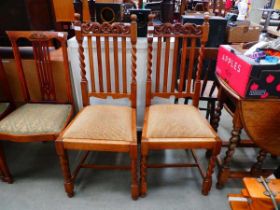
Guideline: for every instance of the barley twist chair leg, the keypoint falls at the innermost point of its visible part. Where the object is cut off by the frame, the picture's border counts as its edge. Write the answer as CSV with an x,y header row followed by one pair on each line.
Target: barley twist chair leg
x,y
64,164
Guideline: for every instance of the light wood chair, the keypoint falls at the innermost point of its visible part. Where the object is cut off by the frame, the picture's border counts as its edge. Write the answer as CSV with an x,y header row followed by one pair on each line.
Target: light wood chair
x,y
104,127
6,105
175,126
43,119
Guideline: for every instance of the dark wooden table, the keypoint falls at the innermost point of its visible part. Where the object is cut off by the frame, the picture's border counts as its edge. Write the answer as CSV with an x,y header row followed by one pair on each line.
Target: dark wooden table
x,y
259,118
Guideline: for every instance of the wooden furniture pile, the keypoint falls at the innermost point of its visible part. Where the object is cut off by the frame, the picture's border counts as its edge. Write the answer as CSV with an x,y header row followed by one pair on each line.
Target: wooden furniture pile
x,y
45,119
112,128
258,194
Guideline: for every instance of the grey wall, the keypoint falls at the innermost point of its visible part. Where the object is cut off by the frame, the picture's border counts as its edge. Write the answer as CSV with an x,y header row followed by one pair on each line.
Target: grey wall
x,y
255,14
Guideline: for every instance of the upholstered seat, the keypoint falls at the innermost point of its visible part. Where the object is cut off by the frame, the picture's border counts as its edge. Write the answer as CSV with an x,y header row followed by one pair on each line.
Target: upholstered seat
x,y
36,119
177,121
103,122
3,107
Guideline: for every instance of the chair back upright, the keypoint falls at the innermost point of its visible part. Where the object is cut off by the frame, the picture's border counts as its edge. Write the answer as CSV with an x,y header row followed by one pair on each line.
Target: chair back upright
x,y
43,43
5,94
188,34
108,76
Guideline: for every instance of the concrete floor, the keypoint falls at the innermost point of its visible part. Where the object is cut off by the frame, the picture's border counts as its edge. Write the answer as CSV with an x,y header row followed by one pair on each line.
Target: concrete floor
x,y
39,183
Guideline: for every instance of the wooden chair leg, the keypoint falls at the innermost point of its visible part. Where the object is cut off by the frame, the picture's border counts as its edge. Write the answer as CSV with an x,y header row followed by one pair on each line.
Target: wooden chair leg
x,y
7,177
64,164
134,177
207,182
144,155
208,110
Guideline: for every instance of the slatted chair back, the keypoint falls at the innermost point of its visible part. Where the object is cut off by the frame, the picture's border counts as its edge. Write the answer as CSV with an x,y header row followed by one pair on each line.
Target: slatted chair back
x,y
41,43
5,94
188,34
111,81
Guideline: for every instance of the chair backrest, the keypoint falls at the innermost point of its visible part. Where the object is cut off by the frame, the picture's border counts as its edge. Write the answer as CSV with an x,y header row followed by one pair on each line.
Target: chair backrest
x,y
41,42
102,83
5,94
188,34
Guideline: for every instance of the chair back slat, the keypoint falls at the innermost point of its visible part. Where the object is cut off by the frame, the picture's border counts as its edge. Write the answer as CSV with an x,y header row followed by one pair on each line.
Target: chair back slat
x,y
116,64
44,70
110,40
191,64
124,76
91,65
183,64
174,65
41,42
189,35
166,63
159,47
99,60
108,69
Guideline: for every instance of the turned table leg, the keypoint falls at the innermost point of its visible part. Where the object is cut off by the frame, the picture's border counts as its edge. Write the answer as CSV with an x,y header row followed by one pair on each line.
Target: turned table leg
x,y
257,167
215,120
224,171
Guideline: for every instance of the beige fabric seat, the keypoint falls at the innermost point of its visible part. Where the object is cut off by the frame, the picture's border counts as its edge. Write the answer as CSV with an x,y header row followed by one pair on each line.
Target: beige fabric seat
x,y
177,121
103,122
3,107
36,119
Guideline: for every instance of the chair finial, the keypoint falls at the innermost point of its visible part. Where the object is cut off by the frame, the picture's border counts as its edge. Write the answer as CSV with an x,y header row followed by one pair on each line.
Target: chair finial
x,y
77,17
133,18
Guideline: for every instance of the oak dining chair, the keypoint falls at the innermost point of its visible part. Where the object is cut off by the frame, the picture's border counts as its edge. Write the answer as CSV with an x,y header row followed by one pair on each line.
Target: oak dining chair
x,y
176,126
42,118
110,128
6,106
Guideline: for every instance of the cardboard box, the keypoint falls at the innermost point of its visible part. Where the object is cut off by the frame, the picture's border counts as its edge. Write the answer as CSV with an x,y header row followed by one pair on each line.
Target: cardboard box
x,y
248,78
243,33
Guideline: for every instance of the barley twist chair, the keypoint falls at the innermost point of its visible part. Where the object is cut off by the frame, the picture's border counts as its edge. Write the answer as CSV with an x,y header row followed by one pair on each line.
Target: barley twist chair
x,y
176,126
6,105
110,128
43,117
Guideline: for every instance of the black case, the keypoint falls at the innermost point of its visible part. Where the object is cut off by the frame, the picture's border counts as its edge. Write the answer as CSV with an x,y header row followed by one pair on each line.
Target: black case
x,y
142,20
108,12
217,32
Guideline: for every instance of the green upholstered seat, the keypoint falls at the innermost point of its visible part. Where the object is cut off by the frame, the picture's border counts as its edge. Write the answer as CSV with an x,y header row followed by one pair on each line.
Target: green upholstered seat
x,y
3,107
36,119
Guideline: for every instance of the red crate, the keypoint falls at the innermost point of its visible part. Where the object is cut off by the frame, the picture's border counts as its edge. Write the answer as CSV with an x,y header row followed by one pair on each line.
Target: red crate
x,y
247,77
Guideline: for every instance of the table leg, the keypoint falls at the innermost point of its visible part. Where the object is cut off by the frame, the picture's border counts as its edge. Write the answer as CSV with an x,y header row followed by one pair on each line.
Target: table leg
x,y
257,167
218,111
224,171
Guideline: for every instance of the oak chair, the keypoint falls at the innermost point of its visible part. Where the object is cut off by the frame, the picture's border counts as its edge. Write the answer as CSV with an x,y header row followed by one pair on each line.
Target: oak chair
x,y
41,119
108,128
175,126
6,105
